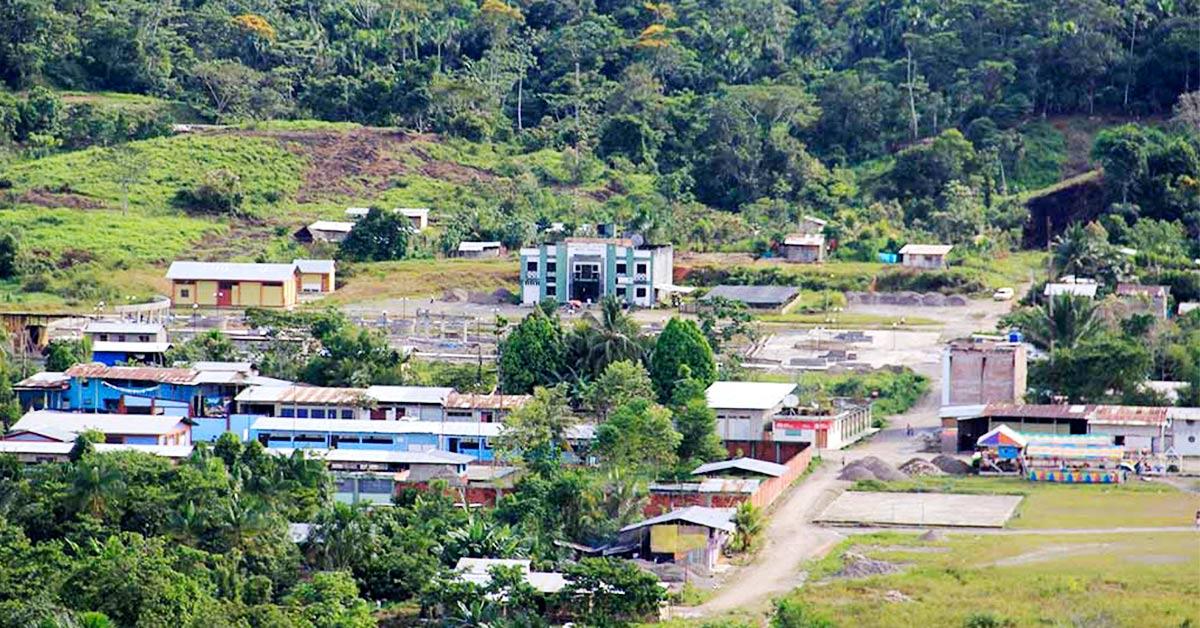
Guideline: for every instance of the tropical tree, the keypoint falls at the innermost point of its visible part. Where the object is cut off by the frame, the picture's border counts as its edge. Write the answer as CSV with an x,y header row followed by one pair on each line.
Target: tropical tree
x,y
681,343
620,383
96,486
614,337
1061,322
343,537
531,355
638,435
610,591
536,434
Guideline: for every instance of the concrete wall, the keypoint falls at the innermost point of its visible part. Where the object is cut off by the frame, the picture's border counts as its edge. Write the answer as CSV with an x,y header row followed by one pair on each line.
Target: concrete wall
x,y
979,375
767,492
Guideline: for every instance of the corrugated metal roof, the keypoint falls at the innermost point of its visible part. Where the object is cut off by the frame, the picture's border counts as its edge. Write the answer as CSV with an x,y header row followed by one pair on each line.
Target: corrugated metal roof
x,y
715,518
322,266
317,395
382,456
750,465
471,401
1074,289
1183,414
804,239
1128,415
747,395
926,249
62,449
230,271
435,395
76,422
241,367
108,346
1128,289
754,295
161,375
1036,411
466,246
332,226
46,380
359,426
122,327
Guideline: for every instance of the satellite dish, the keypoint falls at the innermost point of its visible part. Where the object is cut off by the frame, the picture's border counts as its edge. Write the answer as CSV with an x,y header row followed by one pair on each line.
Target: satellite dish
x,y
637,240
791,401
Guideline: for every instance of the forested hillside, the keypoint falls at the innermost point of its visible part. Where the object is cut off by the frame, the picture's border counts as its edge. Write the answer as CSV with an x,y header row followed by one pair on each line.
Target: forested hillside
x,y
712,124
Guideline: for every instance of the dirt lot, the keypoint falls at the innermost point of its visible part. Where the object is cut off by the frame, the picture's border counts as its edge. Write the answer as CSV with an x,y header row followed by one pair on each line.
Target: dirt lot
x,y
921,509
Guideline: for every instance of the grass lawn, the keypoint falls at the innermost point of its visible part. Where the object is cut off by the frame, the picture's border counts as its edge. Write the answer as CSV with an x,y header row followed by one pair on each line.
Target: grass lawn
x,y
423,278
1080,580
1135,504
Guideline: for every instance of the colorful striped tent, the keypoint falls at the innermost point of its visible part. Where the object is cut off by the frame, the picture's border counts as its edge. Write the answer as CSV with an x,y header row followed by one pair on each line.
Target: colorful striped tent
x,y
1002,436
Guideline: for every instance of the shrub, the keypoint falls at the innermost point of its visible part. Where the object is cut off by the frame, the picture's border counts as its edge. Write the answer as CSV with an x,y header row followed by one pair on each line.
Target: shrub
x,y
219,193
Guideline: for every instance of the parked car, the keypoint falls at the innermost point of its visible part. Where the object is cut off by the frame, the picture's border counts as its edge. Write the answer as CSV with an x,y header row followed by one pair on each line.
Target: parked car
x,y
1003,294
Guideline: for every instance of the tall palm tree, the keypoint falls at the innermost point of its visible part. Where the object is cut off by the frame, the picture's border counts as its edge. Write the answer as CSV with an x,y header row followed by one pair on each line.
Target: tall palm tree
x,y
615,337
1063,322
96,485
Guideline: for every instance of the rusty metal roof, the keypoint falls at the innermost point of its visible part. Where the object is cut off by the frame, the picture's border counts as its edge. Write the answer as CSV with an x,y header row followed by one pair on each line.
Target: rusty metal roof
x,y
317,395
1125,289
1129,415
471,401
46,380
95,370
1104,414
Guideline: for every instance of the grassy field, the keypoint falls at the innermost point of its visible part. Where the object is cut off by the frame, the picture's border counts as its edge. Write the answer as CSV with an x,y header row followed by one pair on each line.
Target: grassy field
x,y
1080,580
1134,504
424,278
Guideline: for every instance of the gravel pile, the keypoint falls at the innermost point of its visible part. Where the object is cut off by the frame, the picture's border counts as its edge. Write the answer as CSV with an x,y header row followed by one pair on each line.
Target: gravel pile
x,y
855,565
951,465
856,472
871,468
882,470
920,467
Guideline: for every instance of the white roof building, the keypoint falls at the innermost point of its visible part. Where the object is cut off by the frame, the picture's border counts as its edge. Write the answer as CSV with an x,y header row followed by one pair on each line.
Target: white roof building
x,y
1074,289
748,395
410,394
317,266
331,226
230,271
475,247
715,518
479,571
926,249
123,327
64,426
746,465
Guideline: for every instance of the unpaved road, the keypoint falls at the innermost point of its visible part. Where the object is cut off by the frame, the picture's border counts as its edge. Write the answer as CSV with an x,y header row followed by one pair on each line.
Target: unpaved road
x,y
791,539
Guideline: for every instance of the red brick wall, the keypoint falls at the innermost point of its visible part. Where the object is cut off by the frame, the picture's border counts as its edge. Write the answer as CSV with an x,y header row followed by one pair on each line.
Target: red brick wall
x,y
768,490
771,451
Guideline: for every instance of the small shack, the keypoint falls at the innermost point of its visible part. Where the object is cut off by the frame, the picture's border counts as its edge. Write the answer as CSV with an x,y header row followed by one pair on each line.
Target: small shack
x,y
925,256
695,535
1146,299
317,275
324,231
476,250
771,298
417,216
1000,450
1086,290
805,248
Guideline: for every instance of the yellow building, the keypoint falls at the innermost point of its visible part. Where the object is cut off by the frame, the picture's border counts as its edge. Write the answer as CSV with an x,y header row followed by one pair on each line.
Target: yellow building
x,y
316,275
221,284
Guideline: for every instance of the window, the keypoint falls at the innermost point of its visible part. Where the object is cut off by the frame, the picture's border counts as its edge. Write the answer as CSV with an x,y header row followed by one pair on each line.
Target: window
x,y
143,338
641,293
641,268
621,268
347,414
551,291
531,266
1119,440
103,337
551,267
301,413
318,413
287,412
185,293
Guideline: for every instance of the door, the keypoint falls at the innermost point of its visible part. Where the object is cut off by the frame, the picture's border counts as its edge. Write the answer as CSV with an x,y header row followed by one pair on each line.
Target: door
x,y
225,294
585,282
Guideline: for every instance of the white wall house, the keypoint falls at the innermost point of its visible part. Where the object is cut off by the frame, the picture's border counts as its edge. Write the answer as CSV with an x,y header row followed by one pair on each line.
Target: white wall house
x,y
588,269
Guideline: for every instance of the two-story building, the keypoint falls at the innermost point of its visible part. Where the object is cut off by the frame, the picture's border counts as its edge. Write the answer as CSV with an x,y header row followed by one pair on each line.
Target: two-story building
x,y
588,269
63,427
116,342
305,402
